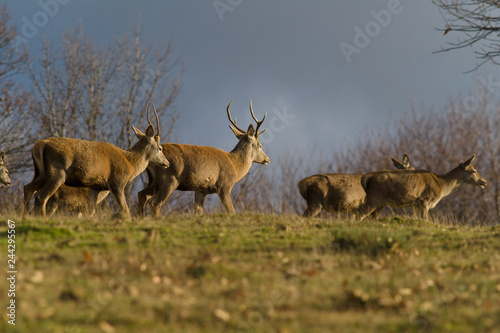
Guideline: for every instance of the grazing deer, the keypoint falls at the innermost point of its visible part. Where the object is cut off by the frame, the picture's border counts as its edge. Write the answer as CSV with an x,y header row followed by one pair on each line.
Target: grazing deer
x,y
204,170
99,166
419,189
71,199
4,173
337,192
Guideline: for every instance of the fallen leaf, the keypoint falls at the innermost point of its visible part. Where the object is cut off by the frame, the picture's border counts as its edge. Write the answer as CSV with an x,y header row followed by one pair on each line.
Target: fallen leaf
x,y
106,327
405,291
37,277
88,257
222,315
311,272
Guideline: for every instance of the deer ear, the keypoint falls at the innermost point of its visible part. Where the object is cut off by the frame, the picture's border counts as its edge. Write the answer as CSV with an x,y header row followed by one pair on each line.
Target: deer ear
x,y
237,133
2,155
150,131
406,161
251,130
468,162
138,133
396,163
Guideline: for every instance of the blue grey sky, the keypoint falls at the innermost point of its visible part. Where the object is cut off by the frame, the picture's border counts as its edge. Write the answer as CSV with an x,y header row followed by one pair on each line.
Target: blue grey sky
x,y
288,56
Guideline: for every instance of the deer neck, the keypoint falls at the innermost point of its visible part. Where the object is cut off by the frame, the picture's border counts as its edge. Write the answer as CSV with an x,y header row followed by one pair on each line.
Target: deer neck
x,y
137,161
241,157
450,182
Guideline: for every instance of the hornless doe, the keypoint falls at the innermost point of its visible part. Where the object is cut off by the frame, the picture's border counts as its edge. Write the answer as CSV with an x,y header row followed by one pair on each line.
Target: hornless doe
x,y
204,170
4,173
337,192
99,166
419,189
71,199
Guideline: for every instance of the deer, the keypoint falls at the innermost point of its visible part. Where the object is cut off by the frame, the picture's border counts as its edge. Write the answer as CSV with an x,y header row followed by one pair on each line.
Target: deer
x,y
419,189
337,192
71,199
4,173
204,170
98,166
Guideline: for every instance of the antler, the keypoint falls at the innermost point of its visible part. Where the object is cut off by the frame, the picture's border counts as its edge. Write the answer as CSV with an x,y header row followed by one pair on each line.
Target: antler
x,y
233,122
149,121
157,120
259,123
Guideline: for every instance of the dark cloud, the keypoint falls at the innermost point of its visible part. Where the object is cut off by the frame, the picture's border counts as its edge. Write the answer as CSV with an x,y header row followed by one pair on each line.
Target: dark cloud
x,y
285,55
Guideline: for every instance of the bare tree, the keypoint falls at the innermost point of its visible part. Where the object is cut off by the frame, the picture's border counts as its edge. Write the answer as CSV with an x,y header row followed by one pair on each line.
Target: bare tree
x,y
478,21
145,72
17,133
435,137
79,85
73,84
97,93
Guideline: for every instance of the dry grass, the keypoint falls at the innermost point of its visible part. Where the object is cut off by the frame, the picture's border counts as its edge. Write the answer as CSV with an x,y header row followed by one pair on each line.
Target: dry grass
x,y
253,273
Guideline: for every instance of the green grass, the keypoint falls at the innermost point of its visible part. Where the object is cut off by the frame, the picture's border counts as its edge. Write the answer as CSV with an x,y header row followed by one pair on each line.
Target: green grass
x,y
252,273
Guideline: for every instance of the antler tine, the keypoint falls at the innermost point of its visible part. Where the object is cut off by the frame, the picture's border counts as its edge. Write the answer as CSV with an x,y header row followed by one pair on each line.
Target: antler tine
x,y
149,121
259,123
157,120
231,120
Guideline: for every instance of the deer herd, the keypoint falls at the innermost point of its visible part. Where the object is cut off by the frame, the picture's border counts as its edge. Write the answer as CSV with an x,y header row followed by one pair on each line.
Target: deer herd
x,y
73,174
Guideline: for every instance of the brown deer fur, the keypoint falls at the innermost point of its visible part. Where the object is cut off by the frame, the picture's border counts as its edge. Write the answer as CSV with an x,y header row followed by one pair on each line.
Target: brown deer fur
x,y
4,173
99,166
204,170
419,189
71,199
337,192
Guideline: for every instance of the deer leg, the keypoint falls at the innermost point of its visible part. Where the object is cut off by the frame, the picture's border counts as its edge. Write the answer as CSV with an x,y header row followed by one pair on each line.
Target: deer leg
x,y
143,197
92,202
225,198
199,199
375,213
29,190
119,195
51,206
313,210
50,187
367,209
425,213
161,196
37,206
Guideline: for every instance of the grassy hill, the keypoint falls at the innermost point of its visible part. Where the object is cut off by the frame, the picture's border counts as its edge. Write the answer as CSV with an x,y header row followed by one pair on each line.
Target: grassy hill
x,y
252,273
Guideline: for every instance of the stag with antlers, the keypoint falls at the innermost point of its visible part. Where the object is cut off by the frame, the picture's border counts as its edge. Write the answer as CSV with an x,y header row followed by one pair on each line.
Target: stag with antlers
x,y
204,170
99,166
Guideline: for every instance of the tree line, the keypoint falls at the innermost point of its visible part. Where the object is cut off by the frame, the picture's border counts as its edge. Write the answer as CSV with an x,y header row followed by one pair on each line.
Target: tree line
x,y
435,138
82,90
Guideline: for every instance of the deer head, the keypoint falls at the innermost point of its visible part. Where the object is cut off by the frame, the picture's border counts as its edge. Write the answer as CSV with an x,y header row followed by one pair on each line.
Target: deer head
x,y
469,174
250,137
4,173
154,150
